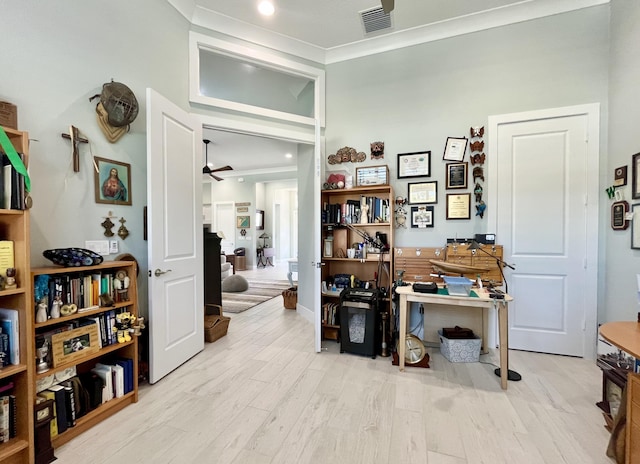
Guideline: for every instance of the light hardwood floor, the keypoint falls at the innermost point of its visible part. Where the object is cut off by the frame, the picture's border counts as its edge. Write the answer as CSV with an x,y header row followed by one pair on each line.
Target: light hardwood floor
x,y
262,395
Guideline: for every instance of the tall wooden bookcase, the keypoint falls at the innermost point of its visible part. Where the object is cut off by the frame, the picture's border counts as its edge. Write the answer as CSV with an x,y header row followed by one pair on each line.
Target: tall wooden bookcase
x,y
14,226
84,363
341,229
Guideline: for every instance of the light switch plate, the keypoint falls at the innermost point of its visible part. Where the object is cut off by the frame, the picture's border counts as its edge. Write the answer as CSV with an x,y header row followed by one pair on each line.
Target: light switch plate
x,y
113,246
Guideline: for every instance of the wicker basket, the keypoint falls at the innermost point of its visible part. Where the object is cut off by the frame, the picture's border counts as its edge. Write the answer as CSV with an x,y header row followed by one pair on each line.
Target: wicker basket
x,y
290,297
215,325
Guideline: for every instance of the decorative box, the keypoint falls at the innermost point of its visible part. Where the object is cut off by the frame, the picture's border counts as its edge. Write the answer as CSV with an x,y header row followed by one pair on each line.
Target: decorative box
x,y
460,350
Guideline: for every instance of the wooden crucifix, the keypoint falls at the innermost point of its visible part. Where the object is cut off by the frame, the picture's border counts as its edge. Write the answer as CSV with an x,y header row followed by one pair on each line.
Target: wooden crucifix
x,y
75,138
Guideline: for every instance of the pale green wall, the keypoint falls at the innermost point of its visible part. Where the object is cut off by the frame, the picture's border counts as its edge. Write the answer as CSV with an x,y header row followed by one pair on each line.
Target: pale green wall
x,y
622,263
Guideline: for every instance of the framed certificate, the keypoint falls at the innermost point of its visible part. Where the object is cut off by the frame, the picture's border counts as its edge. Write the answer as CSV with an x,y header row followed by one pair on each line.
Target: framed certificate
x,y
619,211
635,176
635,226
455,148
416,164
423,192
458,206
456,175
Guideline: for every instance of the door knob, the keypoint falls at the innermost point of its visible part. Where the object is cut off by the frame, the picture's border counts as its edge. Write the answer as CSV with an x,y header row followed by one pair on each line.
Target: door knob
x,y
158,272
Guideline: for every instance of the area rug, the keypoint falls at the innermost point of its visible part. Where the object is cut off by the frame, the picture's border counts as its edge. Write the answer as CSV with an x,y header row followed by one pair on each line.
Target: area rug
x,y
259,291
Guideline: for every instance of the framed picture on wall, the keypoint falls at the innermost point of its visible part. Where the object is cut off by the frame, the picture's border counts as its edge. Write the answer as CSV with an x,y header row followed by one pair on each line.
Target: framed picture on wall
x,y
456,175
455,148
421,216
112,182
458,206
635,176
423,192
243,222
259,219
416,164
635,226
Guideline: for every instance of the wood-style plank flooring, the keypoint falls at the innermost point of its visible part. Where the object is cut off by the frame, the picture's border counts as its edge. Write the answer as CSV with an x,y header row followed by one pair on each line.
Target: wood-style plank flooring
x,y
261,395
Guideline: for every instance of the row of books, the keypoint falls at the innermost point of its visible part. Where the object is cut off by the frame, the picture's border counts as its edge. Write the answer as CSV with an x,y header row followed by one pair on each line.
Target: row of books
x,y
9,337
8,412
81,289
75,397
351,211
12,190
331,313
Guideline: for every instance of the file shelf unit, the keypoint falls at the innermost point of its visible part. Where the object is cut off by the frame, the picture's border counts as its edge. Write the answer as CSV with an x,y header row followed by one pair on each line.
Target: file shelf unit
x,y
341,230
86,362
14,226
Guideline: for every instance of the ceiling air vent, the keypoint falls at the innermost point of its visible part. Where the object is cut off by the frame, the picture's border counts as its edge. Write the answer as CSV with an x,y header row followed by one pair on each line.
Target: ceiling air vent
x,y
375,20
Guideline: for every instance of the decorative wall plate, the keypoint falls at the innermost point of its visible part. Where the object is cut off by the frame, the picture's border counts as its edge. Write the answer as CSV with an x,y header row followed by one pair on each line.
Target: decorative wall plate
x,y
73,257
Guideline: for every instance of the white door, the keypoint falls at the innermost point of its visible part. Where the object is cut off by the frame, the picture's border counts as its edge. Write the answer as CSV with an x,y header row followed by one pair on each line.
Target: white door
x,y
546,210
174,196
224,220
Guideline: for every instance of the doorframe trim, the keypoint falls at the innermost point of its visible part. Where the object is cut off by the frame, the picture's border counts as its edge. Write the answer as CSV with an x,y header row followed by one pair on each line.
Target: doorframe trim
x,y
592,113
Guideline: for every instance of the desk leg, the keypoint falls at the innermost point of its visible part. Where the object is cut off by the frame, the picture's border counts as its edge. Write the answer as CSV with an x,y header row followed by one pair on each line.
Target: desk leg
x,y
503,329
403,330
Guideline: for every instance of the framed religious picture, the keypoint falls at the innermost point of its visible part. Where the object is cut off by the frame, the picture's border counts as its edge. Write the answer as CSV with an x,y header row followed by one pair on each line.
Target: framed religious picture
x,y
458,206
635,176
456,175
416,164
243,222
455,148
619,210
421,216
112,182
423,192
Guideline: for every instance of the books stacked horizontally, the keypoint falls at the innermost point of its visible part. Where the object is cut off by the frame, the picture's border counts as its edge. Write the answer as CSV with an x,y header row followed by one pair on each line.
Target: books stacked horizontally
x,y
75,397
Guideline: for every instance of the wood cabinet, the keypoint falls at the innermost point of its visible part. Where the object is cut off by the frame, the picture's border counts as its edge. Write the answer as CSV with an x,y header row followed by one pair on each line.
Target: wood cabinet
x,y
415,263
14,226
486,257
342,229
123,300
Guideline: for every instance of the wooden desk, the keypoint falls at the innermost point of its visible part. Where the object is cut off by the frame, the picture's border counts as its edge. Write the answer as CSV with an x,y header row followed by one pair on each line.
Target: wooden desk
x,y
624,334
407,295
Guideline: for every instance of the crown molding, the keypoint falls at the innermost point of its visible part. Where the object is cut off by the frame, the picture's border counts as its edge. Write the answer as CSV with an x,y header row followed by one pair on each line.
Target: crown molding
x,y
525,10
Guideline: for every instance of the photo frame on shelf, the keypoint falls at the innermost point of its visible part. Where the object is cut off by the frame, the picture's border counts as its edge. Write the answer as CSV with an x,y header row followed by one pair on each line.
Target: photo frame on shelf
x,y
635,226
75,344
619,210
112,182
422,192
458,206
421,216
243,222
455,148
457,175
635,176
417,164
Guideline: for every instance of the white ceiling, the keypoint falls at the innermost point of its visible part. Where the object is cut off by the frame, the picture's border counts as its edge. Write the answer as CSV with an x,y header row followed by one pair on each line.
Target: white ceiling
x,y
332,23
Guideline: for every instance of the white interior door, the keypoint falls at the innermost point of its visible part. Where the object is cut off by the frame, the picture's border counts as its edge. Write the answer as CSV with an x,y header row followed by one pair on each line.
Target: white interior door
x,y
224,220
174,196
546,218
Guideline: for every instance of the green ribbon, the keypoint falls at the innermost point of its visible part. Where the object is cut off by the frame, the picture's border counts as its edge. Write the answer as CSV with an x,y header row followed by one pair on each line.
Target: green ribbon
x,y
14,158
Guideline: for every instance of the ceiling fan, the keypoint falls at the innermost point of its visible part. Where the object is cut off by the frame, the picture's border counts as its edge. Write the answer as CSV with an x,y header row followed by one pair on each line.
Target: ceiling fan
x,y
206,169
387,5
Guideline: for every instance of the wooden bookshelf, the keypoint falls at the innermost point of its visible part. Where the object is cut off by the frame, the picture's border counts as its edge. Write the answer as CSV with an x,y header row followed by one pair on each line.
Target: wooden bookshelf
x,y
14,226
86,363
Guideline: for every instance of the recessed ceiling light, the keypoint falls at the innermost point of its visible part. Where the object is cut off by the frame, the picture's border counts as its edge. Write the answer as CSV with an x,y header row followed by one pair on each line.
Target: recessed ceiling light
x,y
266,8
288,155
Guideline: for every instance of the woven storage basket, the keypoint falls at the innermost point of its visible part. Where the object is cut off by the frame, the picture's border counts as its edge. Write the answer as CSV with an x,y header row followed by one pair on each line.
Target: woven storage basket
x,y
215,325
290,297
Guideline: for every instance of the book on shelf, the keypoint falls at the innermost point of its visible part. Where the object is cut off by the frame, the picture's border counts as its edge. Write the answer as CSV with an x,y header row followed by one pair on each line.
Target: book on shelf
x,y
13,416
13,188
9,321
53,425
61,407
104,372
127,365
70,402
4,348
7,258
4,419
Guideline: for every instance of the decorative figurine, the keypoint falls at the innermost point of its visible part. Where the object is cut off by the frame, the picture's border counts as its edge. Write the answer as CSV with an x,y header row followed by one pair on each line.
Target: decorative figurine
x,y
42,352
10,283
478,173
122,231
41,313
478,158
477,146
477,131
377,150
138,326
478,192
401,213
480,209
55,308
364,213
123,326
121,284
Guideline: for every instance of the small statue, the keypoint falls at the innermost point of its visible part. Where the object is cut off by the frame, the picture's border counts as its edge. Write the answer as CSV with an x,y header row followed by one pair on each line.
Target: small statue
x,y
55,308
138,326
41,313
123,326
480,209
364,213
121,284
10,283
